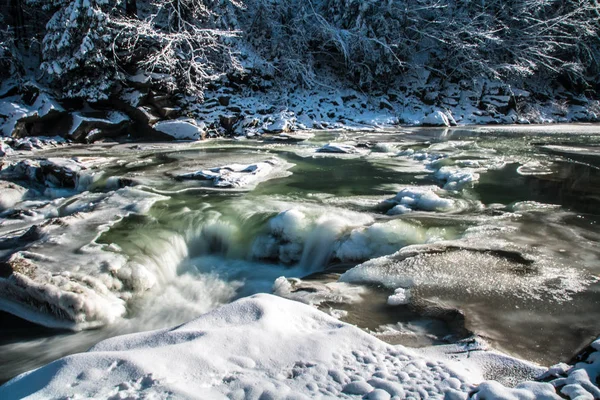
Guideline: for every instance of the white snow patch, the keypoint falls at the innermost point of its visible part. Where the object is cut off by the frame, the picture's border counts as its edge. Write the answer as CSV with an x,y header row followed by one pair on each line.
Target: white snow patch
x,y
422,198
401,296
436,118
181,129
262,346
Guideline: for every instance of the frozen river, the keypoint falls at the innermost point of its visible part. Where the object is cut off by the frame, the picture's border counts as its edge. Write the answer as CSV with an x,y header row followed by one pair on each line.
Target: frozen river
x,y
420,236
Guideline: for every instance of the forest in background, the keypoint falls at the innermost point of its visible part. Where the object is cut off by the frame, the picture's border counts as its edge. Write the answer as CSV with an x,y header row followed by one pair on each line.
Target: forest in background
x,y
87,48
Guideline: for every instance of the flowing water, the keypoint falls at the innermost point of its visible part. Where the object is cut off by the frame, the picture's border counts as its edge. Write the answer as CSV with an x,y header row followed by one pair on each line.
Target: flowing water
x,y
497,230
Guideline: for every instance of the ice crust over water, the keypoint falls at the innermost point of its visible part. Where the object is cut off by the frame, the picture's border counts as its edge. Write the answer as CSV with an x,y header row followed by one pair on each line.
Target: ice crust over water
x,y
490,268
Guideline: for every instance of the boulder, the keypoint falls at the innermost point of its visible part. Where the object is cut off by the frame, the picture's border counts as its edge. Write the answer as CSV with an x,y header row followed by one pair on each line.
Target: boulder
x,y
283,123
436,118
103,123
181,129
5,150
27,117
228,122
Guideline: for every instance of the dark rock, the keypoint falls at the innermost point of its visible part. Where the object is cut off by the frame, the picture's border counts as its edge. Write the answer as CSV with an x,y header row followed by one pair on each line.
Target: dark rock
x,y
224,100
145,114
104,124
228,122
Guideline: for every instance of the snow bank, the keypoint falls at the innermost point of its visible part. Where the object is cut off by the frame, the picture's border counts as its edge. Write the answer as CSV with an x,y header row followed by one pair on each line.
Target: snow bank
x,y
268,347
258,347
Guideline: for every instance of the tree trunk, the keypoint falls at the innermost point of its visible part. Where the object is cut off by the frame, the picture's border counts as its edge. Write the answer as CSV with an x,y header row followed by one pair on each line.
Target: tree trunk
x,y
131,8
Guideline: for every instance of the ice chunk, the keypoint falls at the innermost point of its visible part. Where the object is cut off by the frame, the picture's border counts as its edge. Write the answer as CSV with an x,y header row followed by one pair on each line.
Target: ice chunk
x,y
456,178
10,194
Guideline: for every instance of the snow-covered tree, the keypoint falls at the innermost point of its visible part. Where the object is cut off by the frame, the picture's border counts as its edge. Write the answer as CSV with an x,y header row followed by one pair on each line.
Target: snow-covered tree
x,y
90,45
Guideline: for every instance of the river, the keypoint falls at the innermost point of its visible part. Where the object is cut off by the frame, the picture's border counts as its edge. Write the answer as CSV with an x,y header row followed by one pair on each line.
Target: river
x,y
497,229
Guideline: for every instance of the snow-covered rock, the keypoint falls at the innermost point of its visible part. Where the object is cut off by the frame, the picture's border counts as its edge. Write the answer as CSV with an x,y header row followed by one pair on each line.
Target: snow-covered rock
x,y
93,125
5,150
181,129
239,175
71,173
343,148
279,125
10,194
436,118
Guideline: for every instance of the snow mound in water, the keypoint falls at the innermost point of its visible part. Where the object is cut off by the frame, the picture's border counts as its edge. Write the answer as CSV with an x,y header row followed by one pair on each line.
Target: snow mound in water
x,y
258,347
456,178
419,198
240,176
340,148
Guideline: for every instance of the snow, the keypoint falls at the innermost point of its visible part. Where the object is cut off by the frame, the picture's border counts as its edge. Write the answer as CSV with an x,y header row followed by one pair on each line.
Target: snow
x,y
422,198
345,148
181,129
239,175
436,118
400,297
257,347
